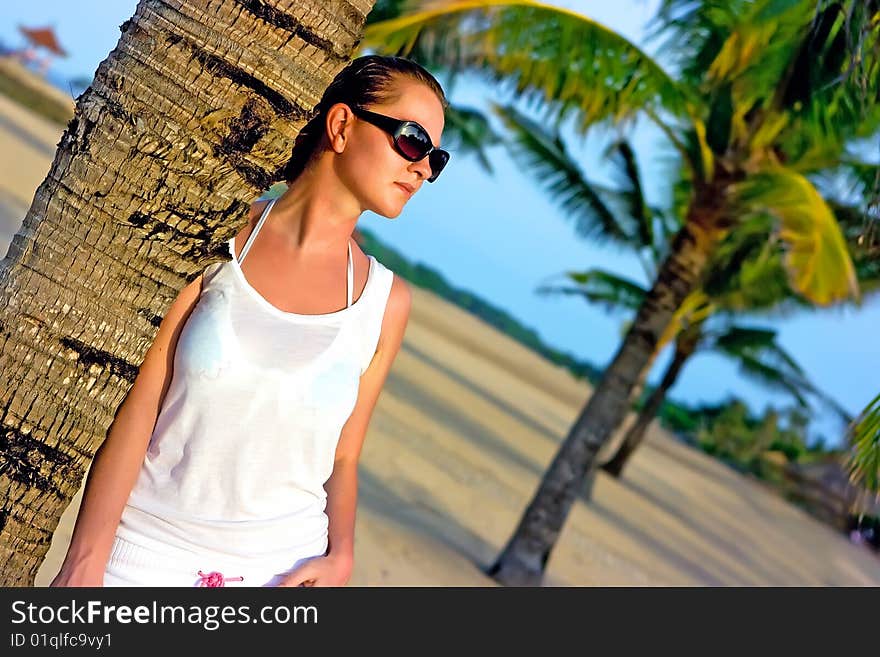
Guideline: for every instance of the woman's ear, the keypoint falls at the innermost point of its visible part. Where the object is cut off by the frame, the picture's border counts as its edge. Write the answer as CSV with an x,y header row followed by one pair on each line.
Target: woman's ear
x,y
338,126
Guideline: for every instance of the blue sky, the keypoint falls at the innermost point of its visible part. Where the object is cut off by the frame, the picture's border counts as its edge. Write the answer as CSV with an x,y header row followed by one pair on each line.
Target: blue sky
x,y
500,237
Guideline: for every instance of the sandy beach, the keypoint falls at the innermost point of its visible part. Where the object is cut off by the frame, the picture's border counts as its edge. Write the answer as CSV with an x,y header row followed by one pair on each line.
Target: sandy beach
x,y
465,427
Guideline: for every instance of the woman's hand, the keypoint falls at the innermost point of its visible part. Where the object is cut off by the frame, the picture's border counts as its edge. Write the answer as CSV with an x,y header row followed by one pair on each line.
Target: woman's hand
x,y
329,570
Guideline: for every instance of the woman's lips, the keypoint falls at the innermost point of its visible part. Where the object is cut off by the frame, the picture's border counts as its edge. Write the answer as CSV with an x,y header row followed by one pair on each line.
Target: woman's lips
x,y
406,189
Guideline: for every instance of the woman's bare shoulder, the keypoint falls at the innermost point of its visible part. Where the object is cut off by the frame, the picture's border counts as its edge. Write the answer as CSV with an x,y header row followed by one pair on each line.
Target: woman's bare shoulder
x,y
398,306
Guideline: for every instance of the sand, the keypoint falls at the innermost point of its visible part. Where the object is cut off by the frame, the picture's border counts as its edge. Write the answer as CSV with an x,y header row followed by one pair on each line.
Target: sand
x,y
465,427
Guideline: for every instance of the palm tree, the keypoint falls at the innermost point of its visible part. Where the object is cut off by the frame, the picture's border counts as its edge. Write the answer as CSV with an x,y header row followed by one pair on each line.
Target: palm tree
x,y
188,116
757,286
756,352
746,274
764,95
753,349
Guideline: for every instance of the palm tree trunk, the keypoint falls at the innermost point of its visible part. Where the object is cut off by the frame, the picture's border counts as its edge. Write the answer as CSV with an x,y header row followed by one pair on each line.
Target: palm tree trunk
x,y
685,346
191,115
525,556
636,394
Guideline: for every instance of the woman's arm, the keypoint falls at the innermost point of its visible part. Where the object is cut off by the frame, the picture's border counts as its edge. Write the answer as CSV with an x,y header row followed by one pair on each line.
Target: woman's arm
x,y
118,460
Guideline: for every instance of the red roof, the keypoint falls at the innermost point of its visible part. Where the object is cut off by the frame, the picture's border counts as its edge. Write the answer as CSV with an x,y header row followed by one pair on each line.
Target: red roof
x,y
45,37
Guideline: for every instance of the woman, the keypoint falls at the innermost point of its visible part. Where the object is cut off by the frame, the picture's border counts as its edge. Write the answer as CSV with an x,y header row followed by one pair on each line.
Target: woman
x,y
233,459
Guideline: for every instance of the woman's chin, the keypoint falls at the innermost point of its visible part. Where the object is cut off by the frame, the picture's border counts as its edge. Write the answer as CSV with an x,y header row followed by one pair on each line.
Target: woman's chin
x,y
392,209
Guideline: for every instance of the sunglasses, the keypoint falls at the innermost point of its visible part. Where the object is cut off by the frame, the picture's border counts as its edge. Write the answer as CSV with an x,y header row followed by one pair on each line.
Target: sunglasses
x,y
411,140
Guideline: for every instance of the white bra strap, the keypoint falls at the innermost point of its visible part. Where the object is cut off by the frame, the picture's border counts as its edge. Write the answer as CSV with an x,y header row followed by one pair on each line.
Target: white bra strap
x,y
350,275
250,239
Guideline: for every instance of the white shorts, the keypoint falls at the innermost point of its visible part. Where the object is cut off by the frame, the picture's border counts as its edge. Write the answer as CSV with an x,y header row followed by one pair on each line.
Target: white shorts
x,y
134,565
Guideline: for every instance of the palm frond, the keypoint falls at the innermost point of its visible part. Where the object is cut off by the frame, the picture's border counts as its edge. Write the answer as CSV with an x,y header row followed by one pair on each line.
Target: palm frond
x,y
468,131
763,360
817,260
833,89
864,459
543,153
741,339
612,292
759,45
384,10
696,309
747,272
559,60
629,185
691,33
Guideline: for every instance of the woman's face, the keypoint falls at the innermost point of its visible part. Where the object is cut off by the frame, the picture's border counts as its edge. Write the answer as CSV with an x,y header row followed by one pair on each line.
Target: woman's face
x,y
369,166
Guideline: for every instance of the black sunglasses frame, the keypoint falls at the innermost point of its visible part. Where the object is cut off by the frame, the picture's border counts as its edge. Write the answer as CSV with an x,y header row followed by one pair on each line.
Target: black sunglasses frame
x,y
437,157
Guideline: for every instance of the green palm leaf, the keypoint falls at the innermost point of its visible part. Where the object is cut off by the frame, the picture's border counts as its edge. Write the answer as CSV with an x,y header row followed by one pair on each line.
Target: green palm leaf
x,y
864,459
832,85
468,131
763,360
562,61
746,273
629,185
758,47
693,33
613,292
543,153
817,260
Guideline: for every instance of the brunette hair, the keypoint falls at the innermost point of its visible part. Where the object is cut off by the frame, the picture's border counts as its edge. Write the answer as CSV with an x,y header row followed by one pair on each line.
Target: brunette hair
x,y
364,81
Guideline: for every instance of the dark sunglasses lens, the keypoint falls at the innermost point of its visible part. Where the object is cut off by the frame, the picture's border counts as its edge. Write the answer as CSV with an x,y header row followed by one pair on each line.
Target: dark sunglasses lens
x,y
437,160
413,142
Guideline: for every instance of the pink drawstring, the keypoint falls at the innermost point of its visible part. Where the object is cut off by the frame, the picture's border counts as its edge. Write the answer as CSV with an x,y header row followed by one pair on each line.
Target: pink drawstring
x,y
215,579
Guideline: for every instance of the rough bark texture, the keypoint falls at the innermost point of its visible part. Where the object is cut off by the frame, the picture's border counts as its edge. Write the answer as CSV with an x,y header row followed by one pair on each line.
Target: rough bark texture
x,y
524,558
191,116
685,346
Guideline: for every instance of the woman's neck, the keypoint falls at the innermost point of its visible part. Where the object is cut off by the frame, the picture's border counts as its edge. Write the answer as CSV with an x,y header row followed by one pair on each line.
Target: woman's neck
x,y
317,213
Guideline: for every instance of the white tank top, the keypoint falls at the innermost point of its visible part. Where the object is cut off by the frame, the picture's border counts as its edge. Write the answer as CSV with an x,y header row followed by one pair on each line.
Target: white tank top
x,y
246,435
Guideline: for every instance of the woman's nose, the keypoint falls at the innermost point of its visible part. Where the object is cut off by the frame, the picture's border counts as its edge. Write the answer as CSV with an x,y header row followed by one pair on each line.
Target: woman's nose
x,y
422,167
